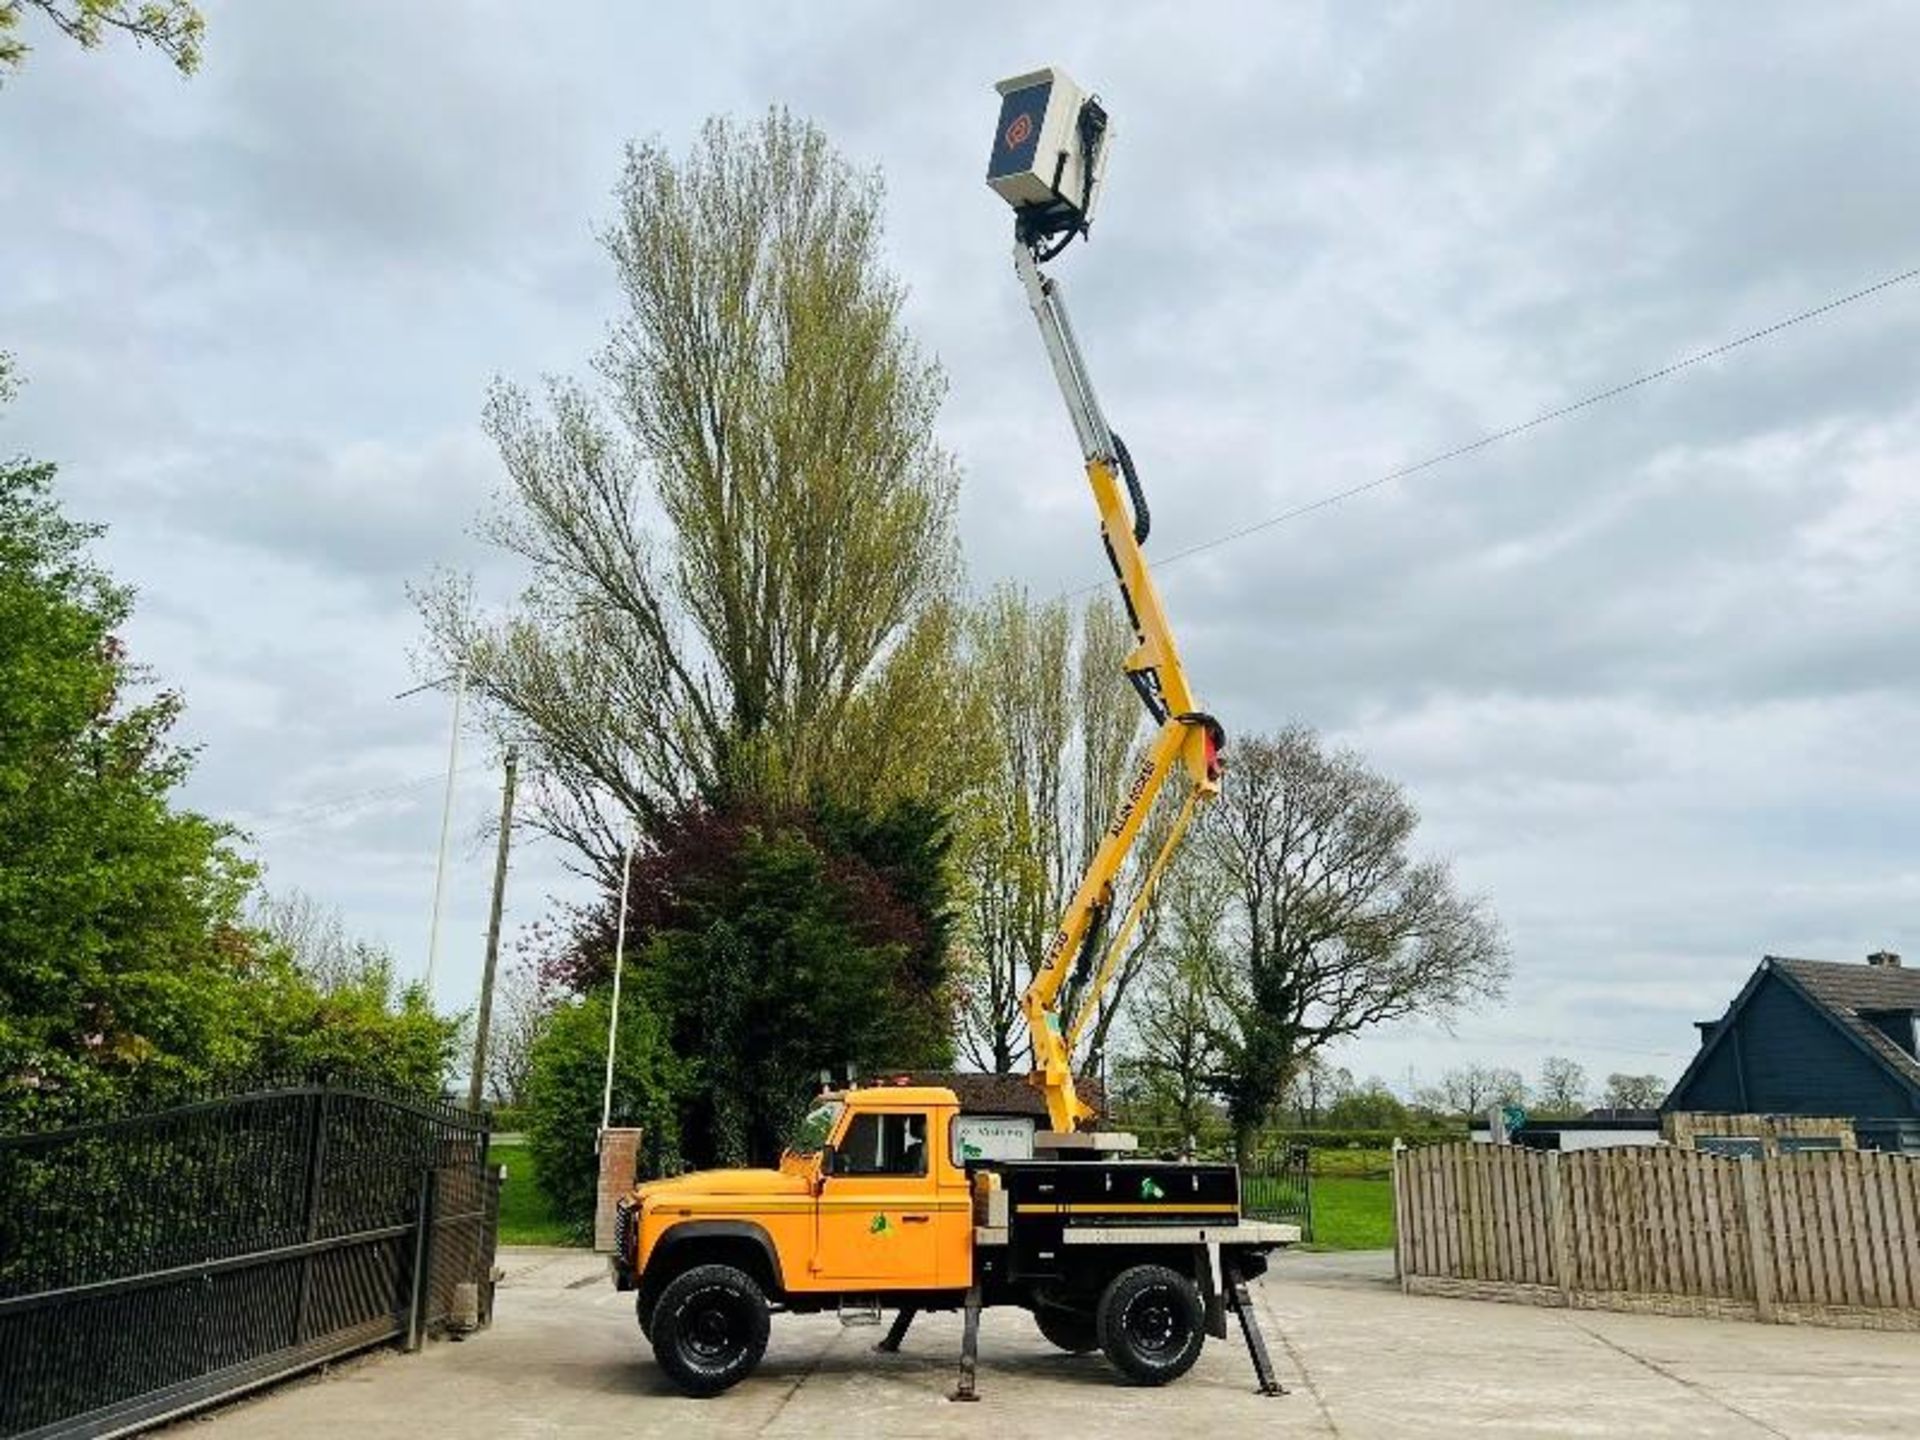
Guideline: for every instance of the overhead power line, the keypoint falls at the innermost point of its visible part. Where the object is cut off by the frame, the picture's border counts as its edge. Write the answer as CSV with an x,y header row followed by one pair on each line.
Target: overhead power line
x,y
322,810
1494,437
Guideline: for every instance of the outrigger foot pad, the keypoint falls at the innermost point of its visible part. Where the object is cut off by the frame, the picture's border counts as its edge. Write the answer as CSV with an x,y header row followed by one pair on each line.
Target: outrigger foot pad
x,y
969,1349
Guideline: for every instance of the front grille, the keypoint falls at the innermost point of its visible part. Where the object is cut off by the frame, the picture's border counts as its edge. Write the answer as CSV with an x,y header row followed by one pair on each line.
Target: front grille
x,y
626,1216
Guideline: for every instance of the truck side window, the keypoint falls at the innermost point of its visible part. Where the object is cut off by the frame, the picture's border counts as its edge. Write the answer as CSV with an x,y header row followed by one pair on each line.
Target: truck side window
x,y
881,1144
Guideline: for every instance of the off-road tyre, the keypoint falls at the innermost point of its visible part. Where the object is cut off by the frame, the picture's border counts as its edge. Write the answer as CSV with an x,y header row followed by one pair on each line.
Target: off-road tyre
x,y
644,1300
1072,1330
709,1328
1151,1323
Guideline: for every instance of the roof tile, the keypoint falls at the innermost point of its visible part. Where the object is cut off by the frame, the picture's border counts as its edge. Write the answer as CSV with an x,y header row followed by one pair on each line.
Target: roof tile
x,y
1849,991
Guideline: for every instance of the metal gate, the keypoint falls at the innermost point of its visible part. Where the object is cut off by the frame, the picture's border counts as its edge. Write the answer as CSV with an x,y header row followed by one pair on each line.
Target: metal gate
x,y
154,1264
1276,1183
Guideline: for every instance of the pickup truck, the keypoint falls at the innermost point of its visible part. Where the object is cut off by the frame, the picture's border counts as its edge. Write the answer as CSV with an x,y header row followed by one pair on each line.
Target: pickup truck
x,y
881,1202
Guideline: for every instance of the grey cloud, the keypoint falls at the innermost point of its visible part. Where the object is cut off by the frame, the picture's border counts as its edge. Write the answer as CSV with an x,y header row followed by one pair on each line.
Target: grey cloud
x,y
1647,672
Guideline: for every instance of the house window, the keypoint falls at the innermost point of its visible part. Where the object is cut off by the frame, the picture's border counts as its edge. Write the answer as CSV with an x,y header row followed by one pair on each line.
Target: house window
x,y
1729,1144
882,1144
1794,1144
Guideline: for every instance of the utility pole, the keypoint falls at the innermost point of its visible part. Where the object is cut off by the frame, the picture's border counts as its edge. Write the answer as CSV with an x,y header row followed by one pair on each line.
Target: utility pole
x,y
485,1022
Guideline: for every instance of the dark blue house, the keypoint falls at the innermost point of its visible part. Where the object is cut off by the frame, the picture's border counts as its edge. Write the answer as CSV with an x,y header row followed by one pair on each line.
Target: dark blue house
x,y
1812,1037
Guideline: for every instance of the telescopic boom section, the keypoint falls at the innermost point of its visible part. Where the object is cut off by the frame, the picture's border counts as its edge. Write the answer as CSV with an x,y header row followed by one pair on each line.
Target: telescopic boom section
x,y
1187,738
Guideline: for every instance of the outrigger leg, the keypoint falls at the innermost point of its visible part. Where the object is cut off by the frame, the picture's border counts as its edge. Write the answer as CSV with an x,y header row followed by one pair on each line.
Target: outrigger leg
x,y
969,1347
1250,1328
890,1342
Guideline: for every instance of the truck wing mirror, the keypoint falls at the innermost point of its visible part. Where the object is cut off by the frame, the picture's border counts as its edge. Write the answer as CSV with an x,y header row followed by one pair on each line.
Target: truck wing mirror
x,y
828,1155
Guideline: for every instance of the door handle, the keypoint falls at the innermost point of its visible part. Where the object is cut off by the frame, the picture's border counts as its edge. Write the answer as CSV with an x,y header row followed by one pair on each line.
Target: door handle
x,y
914,1219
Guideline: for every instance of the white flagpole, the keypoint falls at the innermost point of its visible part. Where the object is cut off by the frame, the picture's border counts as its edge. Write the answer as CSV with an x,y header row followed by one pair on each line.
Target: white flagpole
x,y
619,959
446,828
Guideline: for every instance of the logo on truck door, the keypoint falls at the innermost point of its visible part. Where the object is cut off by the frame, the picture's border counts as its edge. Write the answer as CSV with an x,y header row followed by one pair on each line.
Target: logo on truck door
x,y
879,1225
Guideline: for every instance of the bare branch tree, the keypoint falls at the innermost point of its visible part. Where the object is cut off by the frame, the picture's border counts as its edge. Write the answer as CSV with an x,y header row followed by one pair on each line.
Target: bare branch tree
x,y
1562,1088
521,1006
1173,1008
314,935
1334,926
1469,1090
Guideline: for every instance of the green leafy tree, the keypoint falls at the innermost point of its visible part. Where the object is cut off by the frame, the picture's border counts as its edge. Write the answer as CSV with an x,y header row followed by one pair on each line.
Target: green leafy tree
x,y
566,1075
772,946
120,916
1371,1106
788,632
129,969
173,27
1634,1092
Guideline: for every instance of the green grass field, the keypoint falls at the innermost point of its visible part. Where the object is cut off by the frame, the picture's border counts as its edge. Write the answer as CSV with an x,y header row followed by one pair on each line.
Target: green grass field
x,y
1352,1213
526,1217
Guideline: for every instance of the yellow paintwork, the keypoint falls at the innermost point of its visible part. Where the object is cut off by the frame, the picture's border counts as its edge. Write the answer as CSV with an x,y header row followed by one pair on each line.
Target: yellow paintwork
x,y
839,1232
1181,741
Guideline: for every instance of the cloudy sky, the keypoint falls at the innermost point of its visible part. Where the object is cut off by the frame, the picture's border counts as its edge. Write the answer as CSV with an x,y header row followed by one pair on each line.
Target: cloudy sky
x,y
1648,671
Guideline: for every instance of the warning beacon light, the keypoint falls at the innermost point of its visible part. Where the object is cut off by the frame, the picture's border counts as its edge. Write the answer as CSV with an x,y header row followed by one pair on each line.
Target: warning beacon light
x,y
1049,155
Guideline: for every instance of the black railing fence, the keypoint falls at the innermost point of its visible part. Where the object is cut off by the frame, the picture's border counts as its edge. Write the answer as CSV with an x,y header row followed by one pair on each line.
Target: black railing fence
x,y
155,1263
1276,1174
1276,1183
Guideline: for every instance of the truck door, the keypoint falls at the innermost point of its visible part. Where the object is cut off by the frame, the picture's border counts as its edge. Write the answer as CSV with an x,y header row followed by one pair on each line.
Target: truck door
x,y
876,1219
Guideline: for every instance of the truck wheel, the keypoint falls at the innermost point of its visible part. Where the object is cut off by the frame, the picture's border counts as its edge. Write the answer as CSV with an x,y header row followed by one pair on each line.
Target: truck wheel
x,y
644,1301
1151,1324
1071,1330
709,1328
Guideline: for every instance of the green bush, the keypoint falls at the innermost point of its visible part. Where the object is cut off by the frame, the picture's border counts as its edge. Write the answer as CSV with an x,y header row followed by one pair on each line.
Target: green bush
x,y
564,1089
128,972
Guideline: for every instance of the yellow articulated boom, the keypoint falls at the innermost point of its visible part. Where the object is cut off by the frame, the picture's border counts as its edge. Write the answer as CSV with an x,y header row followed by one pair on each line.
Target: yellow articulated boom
x,y
892,1195
1188,739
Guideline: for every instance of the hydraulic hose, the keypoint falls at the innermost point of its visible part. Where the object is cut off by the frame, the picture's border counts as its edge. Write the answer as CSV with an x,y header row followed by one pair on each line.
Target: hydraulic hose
x,y
1142,518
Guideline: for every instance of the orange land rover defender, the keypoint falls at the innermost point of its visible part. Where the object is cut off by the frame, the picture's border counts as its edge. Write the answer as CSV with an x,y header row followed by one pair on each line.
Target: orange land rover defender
x,y
884,1201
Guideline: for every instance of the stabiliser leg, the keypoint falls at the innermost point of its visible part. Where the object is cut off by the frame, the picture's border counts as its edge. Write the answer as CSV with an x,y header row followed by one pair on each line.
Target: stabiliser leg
x,y
1250,1328
896,1332
969,1347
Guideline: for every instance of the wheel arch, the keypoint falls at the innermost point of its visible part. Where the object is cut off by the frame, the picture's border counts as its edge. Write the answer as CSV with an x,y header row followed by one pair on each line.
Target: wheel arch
x,y
740,1243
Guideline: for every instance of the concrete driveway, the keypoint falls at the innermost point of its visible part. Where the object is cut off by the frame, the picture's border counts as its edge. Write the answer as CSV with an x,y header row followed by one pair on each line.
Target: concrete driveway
x,y
564,1357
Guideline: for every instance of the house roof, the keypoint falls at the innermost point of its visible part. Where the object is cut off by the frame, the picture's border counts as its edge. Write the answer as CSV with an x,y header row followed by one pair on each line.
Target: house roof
x,y
1844,993
1849,992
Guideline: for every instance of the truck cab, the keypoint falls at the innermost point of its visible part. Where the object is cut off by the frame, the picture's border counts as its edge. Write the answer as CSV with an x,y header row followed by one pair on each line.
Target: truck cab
x,y
871,1202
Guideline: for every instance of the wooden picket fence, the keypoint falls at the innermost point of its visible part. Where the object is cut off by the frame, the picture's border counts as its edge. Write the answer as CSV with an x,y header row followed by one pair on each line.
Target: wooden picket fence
x,y
1821,1237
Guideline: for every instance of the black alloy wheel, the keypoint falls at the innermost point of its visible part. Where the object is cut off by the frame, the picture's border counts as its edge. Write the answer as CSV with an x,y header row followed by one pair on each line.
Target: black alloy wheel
x,y
709,1328
1151,1324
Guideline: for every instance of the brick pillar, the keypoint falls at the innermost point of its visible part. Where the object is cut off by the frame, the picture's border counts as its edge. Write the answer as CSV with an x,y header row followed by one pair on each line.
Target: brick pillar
x,y
619,1168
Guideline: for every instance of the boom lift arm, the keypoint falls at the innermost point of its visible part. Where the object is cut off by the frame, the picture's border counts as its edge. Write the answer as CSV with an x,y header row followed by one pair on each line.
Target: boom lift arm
x,y
1187,738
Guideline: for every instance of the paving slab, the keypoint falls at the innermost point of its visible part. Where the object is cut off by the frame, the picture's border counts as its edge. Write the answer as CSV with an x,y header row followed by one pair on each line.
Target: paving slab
x,y
564,1357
